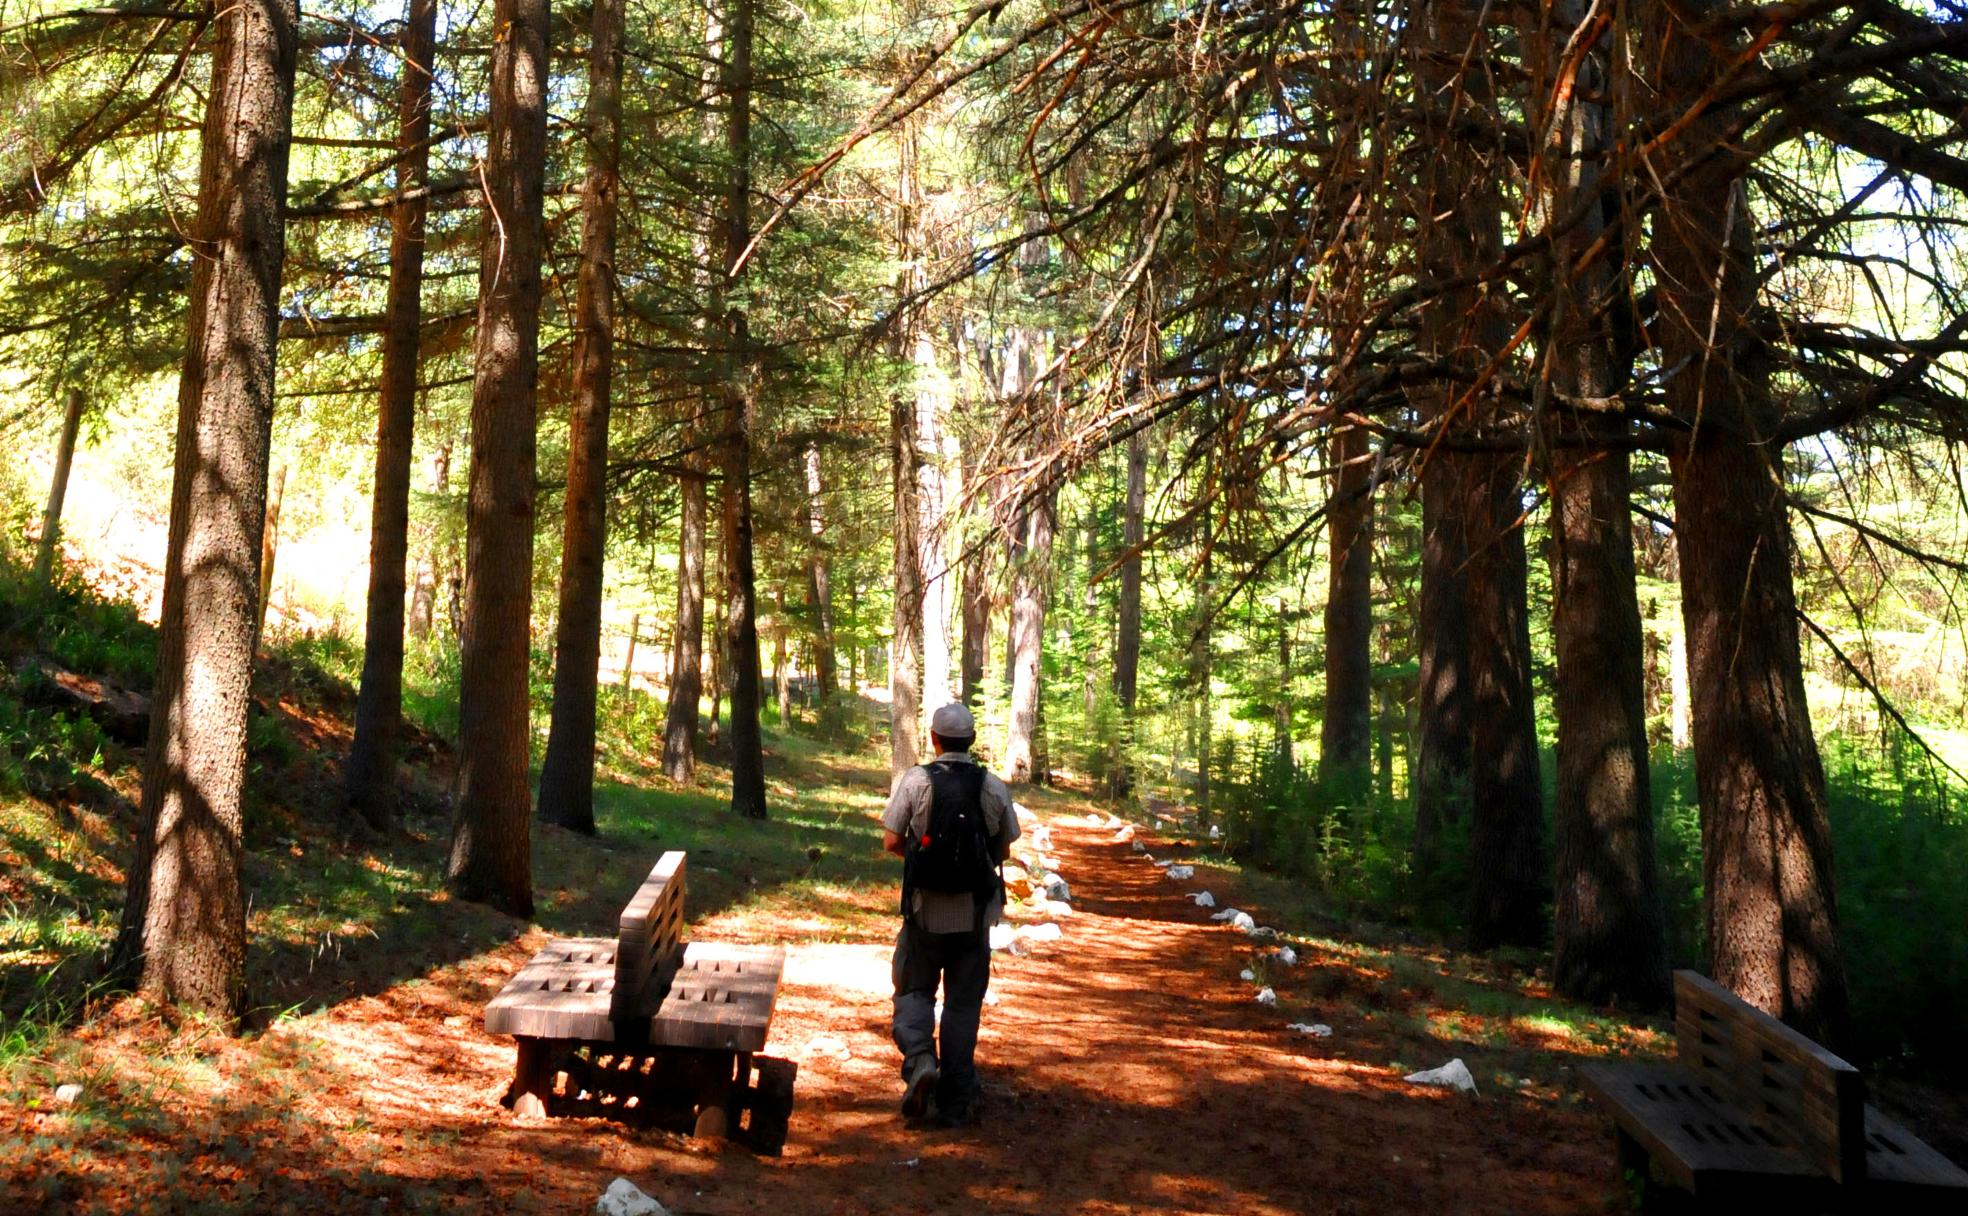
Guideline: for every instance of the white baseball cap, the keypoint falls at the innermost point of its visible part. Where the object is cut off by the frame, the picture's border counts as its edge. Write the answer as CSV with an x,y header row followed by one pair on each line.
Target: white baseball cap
x,y
953,721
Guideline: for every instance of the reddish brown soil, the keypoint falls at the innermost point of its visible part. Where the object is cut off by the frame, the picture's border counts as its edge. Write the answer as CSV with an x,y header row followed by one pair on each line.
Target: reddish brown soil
x,y
1128,1069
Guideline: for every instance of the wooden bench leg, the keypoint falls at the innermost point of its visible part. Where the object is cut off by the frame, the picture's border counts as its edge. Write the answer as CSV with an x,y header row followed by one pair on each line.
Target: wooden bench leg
x,y
771,1101
718,1092
532,1079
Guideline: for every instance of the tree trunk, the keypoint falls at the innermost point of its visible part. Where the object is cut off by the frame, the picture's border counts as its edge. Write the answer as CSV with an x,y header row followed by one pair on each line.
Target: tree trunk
x,y
1609,930
183,932
629,656
567,773
938,581
1127,626
1766,841
781,689
975,644
686,689
1202,665
1127,637
491,850
1477,496
370,776
1346,735
50,544
740,407
269,549
687,651
819,579
905,674
1031,584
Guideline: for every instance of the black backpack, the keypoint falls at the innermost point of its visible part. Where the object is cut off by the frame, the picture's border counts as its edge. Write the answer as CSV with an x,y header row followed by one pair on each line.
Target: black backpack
x,y
954,855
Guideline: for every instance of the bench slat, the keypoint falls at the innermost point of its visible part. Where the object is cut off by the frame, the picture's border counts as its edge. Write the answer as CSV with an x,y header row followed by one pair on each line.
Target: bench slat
x,y
1778,1077
1901,1167
1702,1142
650,931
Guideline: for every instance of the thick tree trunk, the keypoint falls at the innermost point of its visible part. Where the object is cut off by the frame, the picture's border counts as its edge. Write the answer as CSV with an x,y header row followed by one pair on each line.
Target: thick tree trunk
x,y
491,850
1346,735
183,932
1477,496
50,543
370,776
1031,586
1609,930
567,773
1766,839
819,578
740,407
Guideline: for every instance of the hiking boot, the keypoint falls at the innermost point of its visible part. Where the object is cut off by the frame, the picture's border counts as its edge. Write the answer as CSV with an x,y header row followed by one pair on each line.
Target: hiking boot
x,y
956,1114
923,1078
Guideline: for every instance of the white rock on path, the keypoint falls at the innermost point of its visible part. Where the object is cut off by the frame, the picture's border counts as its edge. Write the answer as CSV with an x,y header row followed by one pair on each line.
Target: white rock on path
x,y
1202,899
1047,932
1241,920
1181,873
1056,888
1024,813
1226,914
1139,847
828,1045
1453,1075
1002,937
1286,955
1318,1030
625,1198
1265,932
1247,975
1124,835
68,1094
1267,997
1165,864
1216,833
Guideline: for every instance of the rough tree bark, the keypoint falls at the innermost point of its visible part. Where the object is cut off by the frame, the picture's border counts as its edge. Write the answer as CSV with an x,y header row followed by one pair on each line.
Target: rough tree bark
x,y
490,845
1769,901
1508,878
1127,626
905,687
1346,735
1609,928
567,773
183,932
370,775
740,406
50,543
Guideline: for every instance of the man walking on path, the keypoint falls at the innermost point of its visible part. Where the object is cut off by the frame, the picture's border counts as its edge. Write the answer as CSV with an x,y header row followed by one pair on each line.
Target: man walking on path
x,y
952,824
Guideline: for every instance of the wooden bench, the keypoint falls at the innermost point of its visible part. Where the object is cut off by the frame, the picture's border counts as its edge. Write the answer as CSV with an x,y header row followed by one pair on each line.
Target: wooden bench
x,y
1756,1113
648,1028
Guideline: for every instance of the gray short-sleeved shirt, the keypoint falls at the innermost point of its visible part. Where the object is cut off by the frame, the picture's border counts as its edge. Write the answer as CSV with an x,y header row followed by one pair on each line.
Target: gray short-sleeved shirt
x,y
908,815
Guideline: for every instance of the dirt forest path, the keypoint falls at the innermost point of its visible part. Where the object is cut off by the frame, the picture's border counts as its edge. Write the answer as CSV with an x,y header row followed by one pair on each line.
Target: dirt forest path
x,y
1128,1068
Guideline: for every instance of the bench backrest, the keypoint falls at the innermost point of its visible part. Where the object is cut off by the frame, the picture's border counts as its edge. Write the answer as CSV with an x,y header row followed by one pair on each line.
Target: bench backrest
x,y
1778,1077
649,946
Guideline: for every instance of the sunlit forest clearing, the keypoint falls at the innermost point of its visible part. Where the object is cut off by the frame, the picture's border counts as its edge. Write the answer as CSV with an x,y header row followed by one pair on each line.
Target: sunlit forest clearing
x,y
1448,518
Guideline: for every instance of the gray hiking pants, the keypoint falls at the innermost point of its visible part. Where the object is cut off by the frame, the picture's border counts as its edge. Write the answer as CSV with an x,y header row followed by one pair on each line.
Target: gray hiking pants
x,y
962,963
